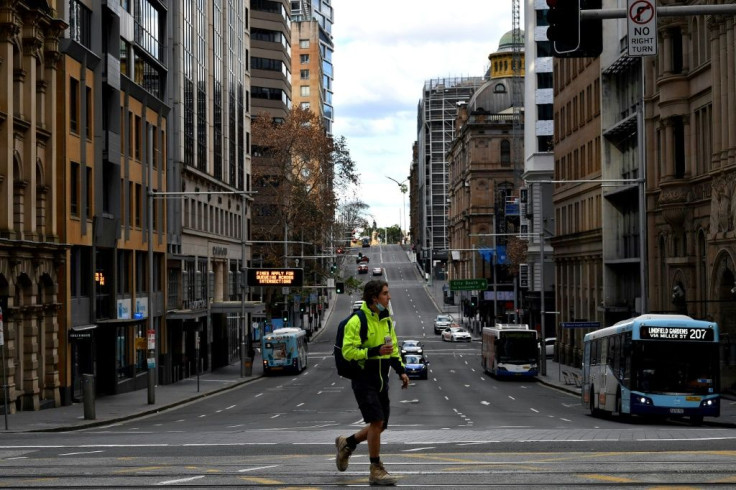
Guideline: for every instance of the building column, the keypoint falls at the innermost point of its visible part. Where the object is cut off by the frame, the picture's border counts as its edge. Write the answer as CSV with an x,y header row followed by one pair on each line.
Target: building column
x,y
731,84
715,56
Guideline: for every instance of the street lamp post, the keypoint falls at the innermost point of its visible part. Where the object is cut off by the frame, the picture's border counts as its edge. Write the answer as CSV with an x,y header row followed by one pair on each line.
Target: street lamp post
x,y
403,188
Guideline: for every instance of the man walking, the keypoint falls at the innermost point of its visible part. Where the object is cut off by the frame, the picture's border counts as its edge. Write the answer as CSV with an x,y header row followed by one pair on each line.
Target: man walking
x,y
379,352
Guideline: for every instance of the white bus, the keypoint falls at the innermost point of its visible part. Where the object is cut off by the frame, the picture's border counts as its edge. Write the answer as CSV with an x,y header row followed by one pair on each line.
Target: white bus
x,y
664,365
284,349
510,350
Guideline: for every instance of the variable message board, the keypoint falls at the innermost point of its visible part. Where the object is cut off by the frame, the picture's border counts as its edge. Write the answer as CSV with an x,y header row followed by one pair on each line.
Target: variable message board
x,y
276,277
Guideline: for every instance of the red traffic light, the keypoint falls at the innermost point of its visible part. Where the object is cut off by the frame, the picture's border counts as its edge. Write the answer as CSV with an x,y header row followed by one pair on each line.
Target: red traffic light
x,y
552,3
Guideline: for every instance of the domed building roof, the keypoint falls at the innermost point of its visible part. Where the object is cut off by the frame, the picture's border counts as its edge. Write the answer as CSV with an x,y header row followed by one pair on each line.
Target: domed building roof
x,y
507,40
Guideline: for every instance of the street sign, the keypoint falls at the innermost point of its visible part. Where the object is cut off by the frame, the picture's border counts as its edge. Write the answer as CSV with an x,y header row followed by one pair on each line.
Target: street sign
x,y
642,27
468,284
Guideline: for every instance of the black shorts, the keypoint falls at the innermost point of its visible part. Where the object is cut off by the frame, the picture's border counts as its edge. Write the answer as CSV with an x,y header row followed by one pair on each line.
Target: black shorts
x,y
373,404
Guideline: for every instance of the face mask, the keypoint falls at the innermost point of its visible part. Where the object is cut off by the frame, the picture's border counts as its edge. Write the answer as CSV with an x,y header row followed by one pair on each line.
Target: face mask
x,y
380,307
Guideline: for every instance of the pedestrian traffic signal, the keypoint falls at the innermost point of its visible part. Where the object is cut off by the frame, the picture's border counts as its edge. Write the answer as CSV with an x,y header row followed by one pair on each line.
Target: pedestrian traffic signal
x,y
285,316
474,301
570,35
339,287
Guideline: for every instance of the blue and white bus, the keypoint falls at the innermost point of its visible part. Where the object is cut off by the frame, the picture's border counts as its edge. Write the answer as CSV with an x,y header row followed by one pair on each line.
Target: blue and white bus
x,y
284,349
510,350
664,365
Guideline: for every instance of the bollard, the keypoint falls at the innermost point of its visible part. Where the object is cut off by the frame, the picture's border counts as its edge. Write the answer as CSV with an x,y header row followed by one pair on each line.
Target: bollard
x,y
248,366
88,389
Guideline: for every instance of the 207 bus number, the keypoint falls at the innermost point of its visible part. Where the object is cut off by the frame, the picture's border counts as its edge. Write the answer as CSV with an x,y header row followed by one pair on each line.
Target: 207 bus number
x,y
698,333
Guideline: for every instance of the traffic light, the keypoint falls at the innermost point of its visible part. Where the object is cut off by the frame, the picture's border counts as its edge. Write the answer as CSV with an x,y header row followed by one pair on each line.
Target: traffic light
x,y
302,308
339,287
474,301
572,37
333,267
285,316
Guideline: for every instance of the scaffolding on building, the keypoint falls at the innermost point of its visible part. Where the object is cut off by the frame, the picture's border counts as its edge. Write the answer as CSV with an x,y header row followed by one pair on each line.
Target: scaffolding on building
x,y
437,112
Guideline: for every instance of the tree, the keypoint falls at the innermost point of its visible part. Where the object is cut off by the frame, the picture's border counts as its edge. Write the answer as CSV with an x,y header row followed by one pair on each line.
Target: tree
x,y
296,167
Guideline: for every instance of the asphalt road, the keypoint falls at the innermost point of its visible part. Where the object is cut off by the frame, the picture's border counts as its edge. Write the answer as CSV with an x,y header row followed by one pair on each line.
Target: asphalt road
x,y
458,428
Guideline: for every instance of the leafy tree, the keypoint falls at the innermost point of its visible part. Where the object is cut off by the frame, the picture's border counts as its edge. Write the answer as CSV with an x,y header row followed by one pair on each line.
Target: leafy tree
x,y
296,167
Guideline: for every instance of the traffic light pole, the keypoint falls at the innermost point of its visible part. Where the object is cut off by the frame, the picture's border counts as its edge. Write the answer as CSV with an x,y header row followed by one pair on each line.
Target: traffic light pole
x,y
674,11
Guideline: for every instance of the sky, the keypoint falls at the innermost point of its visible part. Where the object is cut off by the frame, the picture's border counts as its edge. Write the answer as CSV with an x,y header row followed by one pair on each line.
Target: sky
x,y
384,52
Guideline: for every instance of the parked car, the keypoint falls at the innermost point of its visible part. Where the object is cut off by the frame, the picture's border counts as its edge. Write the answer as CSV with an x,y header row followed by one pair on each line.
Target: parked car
x,y
442,322
456,334
411,347
416,366
377,271
549,346
362,269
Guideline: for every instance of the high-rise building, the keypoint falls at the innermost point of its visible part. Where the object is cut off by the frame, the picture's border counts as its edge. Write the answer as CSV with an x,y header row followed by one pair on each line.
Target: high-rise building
x,y
311,65
270,58
209,170
436,115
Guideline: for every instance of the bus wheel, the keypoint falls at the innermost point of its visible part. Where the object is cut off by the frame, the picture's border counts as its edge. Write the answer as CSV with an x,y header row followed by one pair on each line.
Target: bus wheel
x,y
696,419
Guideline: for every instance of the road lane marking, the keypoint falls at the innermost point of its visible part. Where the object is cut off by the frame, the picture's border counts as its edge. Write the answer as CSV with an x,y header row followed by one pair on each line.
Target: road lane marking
x,y
534,410
82,452
418,449
258,468
299,405
485,403
181,480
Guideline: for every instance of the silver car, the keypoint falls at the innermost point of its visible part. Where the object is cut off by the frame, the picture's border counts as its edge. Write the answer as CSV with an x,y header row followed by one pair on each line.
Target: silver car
x,y
442,322
456,334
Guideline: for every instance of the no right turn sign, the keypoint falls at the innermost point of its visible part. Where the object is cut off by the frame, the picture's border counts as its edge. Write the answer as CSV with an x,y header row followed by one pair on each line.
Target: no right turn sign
x,y
642,27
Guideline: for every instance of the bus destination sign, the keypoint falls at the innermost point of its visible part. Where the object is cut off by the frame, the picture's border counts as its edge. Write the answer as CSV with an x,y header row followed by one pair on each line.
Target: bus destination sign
x,y
676,333
275,277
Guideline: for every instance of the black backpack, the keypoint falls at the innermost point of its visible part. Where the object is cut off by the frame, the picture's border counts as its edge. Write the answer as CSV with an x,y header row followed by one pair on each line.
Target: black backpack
x,y
349,369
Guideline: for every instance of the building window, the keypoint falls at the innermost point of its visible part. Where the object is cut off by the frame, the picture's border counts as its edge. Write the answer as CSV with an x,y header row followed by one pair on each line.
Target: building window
x,y
500,88
80,23
90,192
505,152
137,199
74,189
676,40
304,74
74,105
304,59
138,138
88,124
305,105
678,135
304,43
304,90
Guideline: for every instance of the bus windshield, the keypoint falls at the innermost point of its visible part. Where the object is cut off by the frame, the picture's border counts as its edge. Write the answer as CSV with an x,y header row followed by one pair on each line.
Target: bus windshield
x,y
675,367
517,347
